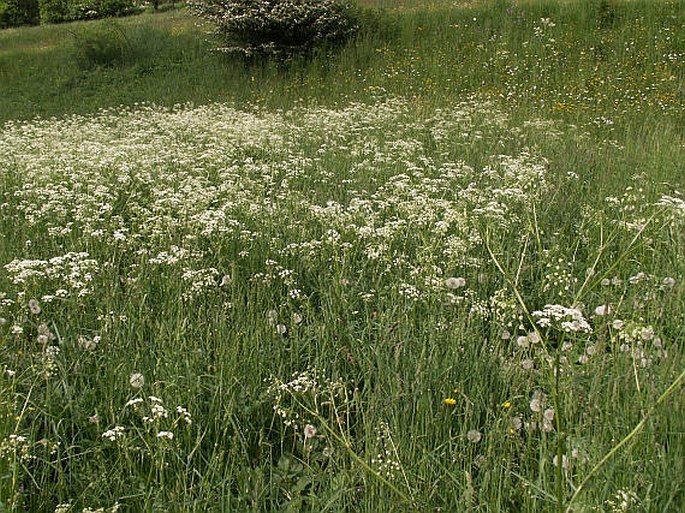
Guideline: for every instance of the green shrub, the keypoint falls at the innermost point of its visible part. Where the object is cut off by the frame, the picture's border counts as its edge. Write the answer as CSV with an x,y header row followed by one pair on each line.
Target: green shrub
x,y
57,11
14,13
276,28
87,9
54,11
102,45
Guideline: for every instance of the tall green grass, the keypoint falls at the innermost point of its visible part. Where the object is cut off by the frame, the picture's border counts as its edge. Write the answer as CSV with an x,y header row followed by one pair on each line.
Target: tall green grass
x,y
292,259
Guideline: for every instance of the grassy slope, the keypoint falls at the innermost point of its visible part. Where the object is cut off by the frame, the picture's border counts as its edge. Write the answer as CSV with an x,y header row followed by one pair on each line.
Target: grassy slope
x,y
433,53
620,79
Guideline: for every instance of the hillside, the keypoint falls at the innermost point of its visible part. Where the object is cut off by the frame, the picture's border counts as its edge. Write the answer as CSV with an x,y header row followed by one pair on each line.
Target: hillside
x,y
438,269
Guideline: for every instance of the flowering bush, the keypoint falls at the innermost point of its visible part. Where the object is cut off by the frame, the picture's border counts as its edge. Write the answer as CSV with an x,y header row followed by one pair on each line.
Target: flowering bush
x,y
276,28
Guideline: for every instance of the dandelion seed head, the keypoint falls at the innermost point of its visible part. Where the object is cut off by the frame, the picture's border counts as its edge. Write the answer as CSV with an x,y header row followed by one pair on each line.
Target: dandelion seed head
x,y
34,306
602,310
537,402
637,278
88,344
522,341
309,432
136,380
647,333
455,283
535,405
474,436
668,282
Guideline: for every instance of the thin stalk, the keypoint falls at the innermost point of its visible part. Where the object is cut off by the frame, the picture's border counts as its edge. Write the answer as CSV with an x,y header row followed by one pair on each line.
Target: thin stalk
x,y
553,377
348,447
582,292
625,440
560,437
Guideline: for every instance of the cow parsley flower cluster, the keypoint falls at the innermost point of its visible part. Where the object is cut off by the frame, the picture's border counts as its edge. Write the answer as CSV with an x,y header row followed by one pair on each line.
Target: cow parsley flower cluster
x,y
386,460
306,397
566,319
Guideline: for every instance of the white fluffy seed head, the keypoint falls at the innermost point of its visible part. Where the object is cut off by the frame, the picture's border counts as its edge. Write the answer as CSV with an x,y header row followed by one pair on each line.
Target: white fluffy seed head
x,y
136,380
455,283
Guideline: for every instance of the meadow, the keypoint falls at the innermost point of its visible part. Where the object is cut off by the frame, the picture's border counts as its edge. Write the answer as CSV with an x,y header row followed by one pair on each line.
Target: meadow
x,y
439,269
